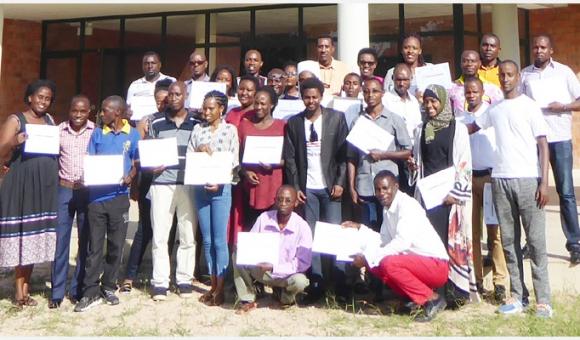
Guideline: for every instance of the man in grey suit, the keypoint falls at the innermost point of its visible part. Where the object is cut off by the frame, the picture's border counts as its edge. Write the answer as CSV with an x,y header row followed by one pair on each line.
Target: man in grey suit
x,y
315,164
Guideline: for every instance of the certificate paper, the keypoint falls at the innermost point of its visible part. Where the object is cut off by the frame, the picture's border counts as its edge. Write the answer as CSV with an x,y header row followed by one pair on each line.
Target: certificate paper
x,y
103,169
548,90
142,106
202,169
262,149
434,188
489,214
199,89
158,152
43,139
333,239
349,106
366,136
438,74
287,108
254,248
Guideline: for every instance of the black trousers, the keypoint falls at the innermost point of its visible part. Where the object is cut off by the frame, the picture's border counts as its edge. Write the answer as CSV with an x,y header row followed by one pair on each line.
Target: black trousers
x,y
107,219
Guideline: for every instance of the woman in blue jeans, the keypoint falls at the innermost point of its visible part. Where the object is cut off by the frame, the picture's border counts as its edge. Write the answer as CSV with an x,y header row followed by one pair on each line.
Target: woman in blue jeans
x,y
214,200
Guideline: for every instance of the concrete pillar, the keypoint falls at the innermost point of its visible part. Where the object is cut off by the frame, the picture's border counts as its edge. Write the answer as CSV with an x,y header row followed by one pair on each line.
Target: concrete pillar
x,y
353,31
504,23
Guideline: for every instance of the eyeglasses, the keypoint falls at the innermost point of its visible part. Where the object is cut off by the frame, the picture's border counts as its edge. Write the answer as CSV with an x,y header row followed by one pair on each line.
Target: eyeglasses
x,y
362,62
291,74
196,63
313,134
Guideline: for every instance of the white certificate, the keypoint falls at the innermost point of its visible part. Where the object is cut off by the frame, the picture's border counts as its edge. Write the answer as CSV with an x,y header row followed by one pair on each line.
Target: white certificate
x,y
287,108
333,239
103,169
254,248
158,152
434,188
199,89
43,139
438,74
202,169
232,104
366,136
263,149
142,106
548,90
349,106
489,214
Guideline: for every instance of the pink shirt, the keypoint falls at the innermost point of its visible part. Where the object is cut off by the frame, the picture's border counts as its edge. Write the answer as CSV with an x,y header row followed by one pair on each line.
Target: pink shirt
x,y
73,146
491,94
295,243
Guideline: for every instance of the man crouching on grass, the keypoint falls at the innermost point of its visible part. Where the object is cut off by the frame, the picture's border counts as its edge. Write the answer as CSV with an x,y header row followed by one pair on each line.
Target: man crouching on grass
x,y
286,276
407,255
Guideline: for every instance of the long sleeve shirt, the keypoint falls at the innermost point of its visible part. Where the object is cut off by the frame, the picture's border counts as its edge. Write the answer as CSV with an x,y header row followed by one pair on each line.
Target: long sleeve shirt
x,y
295,243
405,230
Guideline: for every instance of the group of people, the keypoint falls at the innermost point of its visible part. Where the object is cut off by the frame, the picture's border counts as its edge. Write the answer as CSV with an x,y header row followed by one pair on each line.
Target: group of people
x,y
487,128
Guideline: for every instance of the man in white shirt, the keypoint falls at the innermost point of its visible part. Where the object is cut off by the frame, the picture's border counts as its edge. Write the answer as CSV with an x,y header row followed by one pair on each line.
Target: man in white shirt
x,y
401,102
407,254
544,73
145,86
520,187
483,148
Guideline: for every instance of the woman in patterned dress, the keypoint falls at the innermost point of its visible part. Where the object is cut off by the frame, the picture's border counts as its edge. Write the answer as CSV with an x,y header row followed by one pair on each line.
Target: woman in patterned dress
x,y
28,195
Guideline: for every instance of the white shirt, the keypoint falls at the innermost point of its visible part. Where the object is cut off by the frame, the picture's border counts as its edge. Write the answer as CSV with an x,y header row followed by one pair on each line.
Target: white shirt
x,y
405,230
408,109
483,145
560,125
517,122
314,175
142,87
389,84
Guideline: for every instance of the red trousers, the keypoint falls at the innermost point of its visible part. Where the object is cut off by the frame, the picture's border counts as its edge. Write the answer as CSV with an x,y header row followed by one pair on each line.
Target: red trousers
x,y
412,276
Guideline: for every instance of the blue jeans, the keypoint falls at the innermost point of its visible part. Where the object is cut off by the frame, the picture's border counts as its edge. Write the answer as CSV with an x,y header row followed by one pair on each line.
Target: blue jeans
x,y
561,162
213,213
321,207
70,202
369,212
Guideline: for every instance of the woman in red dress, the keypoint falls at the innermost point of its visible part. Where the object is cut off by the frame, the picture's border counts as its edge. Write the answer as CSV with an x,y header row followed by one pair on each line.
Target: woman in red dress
x,y
260,181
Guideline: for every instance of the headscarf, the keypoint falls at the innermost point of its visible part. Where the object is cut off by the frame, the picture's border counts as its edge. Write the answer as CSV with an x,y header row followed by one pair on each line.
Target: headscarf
x,y
443,117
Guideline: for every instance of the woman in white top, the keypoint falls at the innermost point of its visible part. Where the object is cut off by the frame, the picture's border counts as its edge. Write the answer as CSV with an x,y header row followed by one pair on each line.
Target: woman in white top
x,y
214,200
412,55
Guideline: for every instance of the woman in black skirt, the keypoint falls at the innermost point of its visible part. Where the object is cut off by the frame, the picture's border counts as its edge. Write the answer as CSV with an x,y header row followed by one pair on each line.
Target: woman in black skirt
x,y
28,195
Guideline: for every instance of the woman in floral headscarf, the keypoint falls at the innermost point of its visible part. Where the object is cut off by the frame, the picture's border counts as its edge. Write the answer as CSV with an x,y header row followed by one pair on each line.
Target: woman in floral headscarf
x,y
441,143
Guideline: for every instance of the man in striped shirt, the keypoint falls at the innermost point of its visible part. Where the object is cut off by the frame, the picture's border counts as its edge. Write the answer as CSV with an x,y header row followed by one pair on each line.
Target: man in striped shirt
x,y
170,195
75,134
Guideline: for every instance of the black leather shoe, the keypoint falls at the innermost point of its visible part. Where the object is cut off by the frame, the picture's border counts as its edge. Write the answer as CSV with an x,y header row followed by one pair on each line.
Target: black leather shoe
x,y
499,294
574,257
54,304
431,308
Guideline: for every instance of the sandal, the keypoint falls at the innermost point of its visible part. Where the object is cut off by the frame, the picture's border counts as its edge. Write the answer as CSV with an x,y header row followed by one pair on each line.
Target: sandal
x,y
27,301
246,307
216,300
126,287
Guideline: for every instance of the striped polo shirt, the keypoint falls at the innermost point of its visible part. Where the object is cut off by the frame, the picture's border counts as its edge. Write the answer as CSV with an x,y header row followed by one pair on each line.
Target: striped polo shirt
x,y
162,126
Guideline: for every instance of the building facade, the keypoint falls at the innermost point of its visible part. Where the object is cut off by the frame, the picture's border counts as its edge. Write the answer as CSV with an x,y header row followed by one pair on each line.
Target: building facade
x,y
96,49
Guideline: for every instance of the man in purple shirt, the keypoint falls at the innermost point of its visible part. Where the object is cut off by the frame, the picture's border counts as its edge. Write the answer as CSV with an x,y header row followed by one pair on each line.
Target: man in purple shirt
x,y
287,276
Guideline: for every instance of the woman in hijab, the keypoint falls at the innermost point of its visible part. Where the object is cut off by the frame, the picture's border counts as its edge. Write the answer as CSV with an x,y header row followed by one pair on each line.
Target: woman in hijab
x,y
441,143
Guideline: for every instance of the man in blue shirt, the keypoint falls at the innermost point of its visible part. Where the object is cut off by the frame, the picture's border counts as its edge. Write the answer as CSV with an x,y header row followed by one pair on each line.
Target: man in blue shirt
x,y
108,210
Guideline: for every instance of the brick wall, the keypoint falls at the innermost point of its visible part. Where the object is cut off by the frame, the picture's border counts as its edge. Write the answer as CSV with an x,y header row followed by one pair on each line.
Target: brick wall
x,y
20,63
563,25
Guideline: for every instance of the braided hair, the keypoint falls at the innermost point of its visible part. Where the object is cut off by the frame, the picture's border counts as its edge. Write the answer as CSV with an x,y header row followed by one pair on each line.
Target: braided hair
x,y
219,97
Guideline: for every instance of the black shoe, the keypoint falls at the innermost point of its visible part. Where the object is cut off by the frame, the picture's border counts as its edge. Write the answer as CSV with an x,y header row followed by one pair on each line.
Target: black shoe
x,y
312,298
110,297
185,290
87,303
526,252
480,289
277,293
430,309
411,307
73,299
54,304
499,294
574,257
260,289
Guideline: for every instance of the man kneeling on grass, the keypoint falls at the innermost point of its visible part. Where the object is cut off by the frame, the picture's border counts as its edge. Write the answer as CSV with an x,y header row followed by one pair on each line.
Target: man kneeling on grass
x,y
286,276
407,254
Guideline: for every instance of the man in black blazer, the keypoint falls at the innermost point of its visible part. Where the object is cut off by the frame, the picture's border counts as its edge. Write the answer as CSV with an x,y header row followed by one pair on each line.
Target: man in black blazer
x,y
315,164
